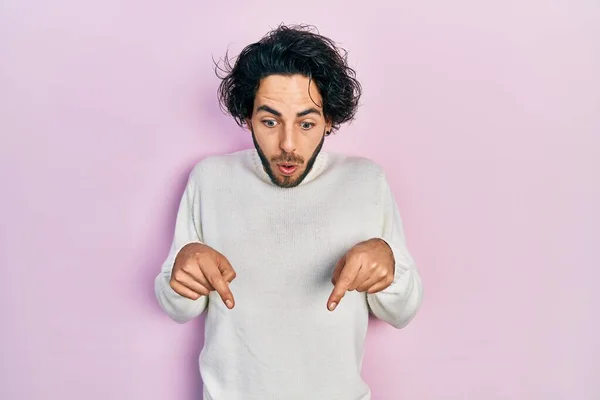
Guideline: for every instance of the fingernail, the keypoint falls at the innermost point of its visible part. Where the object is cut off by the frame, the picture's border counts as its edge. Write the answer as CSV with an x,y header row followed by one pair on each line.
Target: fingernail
x,y
332,306
228,303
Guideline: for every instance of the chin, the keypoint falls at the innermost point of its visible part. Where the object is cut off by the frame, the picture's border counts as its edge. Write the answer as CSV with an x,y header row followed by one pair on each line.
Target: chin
x,y
287,181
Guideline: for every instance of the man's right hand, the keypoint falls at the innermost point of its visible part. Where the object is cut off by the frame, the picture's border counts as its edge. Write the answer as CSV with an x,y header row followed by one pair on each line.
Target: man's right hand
x,y
200,269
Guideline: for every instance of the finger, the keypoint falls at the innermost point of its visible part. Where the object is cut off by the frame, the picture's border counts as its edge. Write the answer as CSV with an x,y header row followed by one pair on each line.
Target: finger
x,y
197,287
201,279
338,269
378,286
212,273
229,276
184,291
226,269
361,277
365,285
186,280
194,270
347,276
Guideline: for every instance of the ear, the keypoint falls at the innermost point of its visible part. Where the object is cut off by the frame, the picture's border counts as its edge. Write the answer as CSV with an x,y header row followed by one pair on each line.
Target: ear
x,y
328,126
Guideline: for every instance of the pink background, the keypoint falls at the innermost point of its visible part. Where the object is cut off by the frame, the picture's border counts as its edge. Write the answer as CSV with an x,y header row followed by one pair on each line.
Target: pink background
x,y
484,113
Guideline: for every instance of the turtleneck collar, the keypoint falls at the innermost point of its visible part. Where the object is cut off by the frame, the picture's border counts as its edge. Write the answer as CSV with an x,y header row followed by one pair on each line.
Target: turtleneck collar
x,y
317,169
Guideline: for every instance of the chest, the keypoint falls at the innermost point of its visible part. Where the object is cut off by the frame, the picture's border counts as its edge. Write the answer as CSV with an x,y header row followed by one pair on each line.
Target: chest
x,y
288,240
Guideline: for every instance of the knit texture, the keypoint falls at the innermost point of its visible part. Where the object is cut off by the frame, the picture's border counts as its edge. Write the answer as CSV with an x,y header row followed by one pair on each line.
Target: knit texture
x,y
280,341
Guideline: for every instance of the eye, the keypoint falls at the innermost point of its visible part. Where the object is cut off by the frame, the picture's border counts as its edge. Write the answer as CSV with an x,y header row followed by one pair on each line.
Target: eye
x,y
307,125
269,123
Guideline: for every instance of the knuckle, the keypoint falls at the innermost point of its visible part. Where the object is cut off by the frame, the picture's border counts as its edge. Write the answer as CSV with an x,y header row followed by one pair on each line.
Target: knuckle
x,y
345,281
374,289
211,279
200,257
178,276
229,275
187,267
218,281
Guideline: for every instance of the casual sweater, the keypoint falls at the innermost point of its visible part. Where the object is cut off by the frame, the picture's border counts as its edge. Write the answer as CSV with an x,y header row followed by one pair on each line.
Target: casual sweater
x,y
280,341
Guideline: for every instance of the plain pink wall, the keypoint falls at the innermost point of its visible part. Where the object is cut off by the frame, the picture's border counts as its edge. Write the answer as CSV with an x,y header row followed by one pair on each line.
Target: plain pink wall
x,y
484,114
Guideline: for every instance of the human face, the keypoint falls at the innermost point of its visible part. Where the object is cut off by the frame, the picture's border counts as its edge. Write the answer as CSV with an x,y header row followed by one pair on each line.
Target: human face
x,y
288,127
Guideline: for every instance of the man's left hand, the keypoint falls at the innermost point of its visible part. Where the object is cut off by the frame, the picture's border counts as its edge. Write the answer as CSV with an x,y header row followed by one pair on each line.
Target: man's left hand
x,y
366,267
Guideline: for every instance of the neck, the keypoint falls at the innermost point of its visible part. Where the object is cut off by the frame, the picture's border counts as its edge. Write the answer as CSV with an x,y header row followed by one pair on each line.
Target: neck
x,y
269,171
318,165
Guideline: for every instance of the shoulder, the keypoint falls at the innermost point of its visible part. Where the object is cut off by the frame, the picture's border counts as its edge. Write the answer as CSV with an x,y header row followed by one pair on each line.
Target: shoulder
x,y
358,166
217,166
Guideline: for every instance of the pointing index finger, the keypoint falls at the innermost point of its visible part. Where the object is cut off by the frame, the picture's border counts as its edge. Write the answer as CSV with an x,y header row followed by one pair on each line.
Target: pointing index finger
x,y
347,275
216,279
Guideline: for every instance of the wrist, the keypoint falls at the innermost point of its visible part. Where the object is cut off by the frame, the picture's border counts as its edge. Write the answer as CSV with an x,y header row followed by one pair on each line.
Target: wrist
x,y
389,251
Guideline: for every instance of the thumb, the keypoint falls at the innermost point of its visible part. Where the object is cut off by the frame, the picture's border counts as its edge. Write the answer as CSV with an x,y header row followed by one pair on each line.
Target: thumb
x,y
225,268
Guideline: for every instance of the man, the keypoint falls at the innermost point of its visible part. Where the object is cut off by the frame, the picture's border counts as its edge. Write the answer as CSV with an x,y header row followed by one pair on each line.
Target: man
x,y
288,247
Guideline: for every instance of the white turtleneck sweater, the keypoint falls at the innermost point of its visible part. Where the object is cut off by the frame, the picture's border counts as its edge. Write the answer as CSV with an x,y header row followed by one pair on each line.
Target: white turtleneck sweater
x,y
280,342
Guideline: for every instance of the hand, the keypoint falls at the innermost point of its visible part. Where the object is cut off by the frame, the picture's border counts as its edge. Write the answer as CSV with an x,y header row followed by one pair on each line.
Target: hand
x,y
200,269
367,267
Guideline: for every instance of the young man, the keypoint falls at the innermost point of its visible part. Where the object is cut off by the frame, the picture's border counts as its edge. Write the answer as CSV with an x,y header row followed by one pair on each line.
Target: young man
x,y
288,247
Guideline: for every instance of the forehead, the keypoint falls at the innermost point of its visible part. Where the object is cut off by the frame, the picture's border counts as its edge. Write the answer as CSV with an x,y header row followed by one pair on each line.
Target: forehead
x,y
293,91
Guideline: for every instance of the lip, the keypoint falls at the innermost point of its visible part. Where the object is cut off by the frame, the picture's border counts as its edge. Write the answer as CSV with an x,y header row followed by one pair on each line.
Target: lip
x,y
287,171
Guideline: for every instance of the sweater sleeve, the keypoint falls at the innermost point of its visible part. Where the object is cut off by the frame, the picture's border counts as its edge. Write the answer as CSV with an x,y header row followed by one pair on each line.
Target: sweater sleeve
x,y
187,230
397,304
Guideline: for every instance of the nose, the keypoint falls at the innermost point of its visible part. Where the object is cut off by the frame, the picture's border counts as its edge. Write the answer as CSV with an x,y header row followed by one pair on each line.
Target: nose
x,y
287,141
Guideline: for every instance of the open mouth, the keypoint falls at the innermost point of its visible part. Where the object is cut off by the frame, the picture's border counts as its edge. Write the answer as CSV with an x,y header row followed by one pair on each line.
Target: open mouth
x,y
287,169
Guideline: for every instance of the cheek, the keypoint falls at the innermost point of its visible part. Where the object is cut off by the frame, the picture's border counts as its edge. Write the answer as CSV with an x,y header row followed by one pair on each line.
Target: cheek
x,y
310,145
267,142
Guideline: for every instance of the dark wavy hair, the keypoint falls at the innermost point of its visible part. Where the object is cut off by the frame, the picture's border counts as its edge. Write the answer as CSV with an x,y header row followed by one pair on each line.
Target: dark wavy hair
x,y
290,50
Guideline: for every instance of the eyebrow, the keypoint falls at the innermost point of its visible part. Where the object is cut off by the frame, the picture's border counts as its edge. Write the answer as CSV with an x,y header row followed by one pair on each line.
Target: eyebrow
x,y
309,111
278,114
